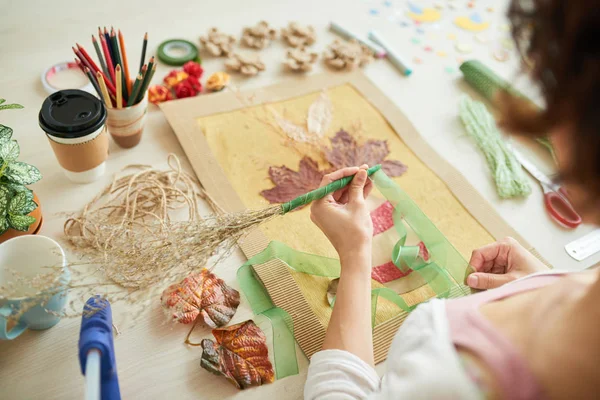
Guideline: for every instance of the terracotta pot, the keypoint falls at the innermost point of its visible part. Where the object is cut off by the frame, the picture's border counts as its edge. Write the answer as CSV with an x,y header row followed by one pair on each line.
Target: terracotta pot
x,y
33,228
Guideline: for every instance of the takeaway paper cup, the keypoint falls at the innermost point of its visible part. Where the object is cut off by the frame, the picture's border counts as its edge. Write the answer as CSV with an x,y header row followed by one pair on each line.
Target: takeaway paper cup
x,y
127,124
74,122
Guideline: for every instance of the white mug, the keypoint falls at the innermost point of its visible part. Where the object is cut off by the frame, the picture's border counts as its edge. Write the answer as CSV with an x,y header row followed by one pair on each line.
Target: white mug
x,y
30,256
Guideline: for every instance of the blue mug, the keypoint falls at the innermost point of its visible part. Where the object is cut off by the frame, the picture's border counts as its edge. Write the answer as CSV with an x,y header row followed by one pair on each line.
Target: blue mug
x,y
30,256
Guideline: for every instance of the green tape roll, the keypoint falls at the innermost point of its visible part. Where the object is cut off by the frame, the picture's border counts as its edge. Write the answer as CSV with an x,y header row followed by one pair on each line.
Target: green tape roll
x,y
167,48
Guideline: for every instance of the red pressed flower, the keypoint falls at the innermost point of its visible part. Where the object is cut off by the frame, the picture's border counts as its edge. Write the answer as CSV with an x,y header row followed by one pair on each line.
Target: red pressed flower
x,y
184,89
193,69
194,83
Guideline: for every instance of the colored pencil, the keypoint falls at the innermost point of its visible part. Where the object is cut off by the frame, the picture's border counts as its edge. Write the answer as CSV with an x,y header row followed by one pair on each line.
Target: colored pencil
x,y
118,60
119,86
146,83
109,63
104,90
135,91
79,64
88,58
108,44
93,80
85,62
146,77
99,54
125,63
144,51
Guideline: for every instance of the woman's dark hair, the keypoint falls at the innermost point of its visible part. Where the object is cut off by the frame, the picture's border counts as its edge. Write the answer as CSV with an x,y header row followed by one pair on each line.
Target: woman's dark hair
x,y
560,44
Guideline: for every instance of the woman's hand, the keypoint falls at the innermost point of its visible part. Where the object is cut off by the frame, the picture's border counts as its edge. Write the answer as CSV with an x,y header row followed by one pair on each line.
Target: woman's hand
x,y
501,262
343,215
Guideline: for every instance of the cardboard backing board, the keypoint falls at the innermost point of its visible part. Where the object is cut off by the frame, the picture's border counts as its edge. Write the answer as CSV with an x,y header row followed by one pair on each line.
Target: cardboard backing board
x,y
184,116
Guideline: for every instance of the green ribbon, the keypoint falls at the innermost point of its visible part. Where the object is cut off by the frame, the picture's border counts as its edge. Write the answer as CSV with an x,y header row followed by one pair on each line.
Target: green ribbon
x,y
440,280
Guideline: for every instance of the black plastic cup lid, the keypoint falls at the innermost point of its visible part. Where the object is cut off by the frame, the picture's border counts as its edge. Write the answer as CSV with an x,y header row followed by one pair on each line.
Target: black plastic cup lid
x,y
71,114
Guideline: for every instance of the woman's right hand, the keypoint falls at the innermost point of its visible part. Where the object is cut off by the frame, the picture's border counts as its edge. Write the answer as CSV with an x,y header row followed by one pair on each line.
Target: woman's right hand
x,y
501,262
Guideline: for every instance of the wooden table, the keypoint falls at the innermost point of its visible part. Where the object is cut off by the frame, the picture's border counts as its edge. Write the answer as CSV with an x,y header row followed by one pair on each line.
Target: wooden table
x,y
152,360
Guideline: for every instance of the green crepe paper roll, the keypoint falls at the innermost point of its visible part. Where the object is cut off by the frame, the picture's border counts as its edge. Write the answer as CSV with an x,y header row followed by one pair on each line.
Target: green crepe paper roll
x,y
487,83
323,191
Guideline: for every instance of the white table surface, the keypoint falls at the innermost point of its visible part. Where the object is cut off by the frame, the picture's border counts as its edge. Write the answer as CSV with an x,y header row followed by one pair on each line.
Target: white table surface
x,y
152,360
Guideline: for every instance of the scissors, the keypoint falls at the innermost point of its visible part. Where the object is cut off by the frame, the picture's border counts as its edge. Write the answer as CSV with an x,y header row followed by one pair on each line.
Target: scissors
x,y
555,196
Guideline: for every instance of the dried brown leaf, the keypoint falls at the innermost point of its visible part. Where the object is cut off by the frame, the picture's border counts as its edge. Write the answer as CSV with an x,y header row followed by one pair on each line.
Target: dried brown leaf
x,y
346,152
290,184
240,354
204,294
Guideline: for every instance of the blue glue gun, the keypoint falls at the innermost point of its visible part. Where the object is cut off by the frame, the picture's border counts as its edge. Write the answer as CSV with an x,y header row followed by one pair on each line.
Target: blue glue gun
x,y
97,351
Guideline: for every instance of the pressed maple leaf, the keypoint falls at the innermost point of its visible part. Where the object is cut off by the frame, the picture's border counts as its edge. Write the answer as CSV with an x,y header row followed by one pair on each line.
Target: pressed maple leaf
x,y
240,354
346,152
290,184
201,293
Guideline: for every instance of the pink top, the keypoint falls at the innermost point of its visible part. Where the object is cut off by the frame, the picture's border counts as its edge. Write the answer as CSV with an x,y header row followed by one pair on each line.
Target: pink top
x,y
470,330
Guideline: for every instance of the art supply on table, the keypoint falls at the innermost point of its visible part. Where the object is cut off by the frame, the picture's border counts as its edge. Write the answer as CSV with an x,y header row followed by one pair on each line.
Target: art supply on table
x,y
378,51
144,46
126,109
97,357
119,86
65,75
126,125
480,125
74,122
28,256
488,83
99,55
177,52
392,55
125,63
585,246
113,55
555,196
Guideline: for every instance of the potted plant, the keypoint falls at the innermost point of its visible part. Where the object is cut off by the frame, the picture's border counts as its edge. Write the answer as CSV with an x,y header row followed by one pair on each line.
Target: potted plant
x,y
20,213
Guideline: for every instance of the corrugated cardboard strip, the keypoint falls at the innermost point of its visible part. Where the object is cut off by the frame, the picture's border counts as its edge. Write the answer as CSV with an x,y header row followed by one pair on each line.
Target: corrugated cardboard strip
x,y
276,277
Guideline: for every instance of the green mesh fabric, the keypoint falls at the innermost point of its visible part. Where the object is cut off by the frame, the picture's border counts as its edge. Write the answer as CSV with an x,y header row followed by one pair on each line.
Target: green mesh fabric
x,y
444,271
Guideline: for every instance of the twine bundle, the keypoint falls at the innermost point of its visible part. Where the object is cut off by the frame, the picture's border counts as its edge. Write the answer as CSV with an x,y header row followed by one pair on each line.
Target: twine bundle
x,y
480,125
136,247
130,225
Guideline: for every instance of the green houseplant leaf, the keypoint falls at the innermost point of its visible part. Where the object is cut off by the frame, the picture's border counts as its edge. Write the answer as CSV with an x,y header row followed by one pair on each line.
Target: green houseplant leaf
x,y
21,204
4,193
20,222
10,106
9,150
23,173
5,133
16,200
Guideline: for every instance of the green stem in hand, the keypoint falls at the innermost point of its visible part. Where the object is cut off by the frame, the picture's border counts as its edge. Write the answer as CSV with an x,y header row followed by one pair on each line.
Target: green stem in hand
x,y
323,191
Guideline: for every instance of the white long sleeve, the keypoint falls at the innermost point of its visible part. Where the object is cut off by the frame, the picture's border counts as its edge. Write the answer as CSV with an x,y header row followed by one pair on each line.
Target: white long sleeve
x,y
422,364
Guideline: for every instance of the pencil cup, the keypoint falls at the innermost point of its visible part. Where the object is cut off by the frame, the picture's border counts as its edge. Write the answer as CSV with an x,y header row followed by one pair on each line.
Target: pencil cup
x,y
74,122
127,124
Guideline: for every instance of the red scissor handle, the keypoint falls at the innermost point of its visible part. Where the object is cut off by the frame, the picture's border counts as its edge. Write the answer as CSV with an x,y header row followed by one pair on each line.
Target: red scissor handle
x,y
561,210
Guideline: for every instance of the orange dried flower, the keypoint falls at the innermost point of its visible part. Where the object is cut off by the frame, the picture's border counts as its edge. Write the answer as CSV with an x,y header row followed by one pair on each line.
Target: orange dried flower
x,y
217,81
158,94
174,78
